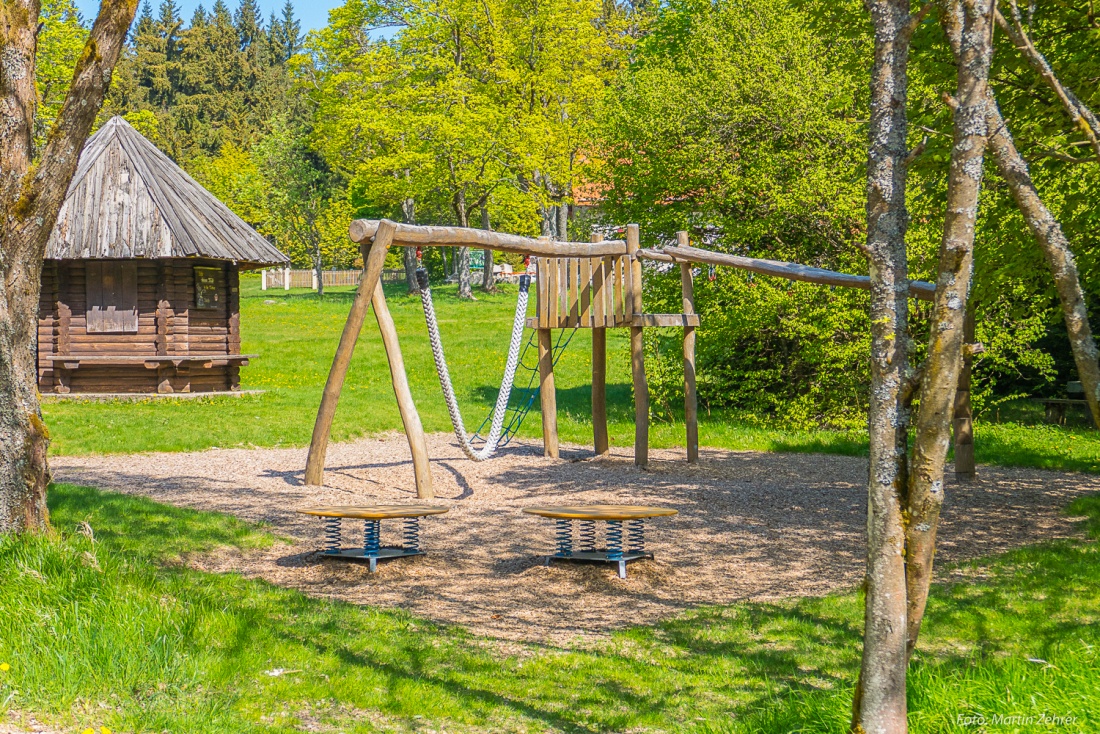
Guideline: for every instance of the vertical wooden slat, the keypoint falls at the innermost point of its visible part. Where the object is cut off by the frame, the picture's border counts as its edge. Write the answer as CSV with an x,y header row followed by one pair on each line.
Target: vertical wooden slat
x,y
553,293
622,291
599,297
585,291
599,360
637,352
572,266
691,406
541,304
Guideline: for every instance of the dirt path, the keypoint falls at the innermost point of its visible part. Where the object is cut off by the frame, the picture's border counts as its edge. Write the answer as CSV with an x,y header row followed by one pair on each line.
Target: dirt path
x,y
751,526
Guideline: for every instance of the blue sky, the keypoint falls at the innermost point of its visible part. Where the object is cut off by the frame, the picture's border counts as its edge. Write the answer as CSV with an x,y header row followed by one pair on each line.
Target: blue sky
x,y
312,13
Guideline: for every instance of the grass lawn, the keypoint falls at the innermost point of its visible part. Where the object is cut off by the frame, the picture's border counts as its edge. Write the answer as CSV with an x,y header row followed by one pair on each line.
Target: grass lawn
x,y
115,632
296,333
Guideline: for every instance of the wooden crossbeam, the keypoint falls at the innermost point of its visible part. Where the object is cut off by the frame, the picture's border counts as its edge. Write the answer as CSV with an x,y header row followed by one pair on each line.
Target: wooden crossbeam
x,y
412,235
919,289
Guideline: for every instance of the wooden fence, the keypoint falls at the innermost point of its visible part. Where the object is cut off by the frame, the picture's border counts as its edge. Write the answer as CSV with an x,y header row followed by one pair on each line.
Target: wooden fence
x,y
287,278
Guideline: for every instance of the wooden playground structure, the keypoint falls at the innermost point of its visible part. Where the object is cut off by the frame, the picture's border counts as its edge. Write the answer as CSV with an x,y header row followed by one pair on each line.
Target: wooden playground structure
x,y
593,285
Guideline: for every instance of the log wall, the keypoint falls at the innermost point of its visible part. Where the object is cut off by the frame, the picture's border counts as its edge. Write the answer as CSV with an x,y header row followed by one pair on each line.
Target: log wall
x,y
169,324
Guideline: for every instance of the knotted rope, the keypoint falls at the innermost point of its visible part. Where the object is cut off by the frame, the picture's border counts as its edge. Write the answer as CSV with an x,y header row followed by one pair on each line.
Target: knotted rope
x,y
501,408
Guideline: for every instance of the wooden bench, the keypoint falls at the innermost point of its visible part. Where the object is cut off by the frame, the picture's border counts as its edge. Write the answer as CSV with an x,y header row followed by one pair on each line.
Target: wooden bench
x,y
372,516
1055,408
65,363
588,515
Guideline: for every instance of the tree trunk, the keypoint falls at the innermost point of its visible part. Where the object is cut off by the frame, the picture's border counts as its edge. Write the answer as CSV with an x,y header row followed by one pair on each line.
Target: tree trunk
x,y
879,705
31,196
408,210
462,263
462,254
488,281
972,22
1048,233
563,221
319,269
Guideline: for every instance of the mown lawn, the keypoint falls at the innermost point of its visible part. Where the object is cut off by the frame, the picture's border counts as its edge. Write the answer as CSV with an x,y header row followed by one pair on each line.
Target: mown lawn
x,y
296,333
102,626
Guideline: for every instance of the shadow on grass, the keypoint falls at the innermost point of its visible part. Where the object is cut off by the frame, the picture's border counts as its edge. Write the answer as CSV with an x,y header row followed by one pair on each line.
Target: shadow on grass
x,y
746,667
139,525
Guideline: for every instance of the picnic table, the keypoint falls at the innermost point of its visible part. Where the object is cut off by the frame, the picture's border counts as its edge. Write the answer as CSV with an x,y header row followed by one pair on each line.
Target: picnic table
x,y
372,516
587,516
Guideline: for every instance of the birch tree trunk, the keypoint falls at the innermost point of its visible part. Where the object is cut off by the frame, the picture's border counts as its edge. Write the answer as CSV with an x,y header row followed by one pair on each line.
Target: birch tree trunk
x,y
488,281
879,705
408,212
971,21
1048,233
31,195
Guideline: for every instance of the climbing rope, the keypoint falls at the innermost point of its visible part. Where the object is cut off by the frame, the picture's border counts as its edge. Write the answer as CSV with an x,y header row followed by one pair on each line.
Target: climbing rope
x,y
501,408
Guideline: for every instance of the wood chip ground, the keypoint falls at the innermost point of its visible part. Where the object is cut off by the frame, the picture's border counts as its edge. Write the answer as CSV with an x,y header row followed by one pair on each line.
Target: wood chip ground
x,y
752,526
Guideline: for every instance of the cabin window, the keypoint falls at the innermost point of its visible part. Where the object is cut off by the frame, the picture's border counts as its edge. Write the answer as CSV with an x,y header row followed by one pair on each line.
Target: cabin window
x,y
111,289
206,287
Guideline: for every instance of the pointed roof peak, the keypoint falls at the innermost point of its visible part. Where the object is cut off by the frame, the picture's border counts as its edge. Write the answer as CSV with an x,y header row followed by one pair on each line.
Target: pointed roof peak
x,y
128,199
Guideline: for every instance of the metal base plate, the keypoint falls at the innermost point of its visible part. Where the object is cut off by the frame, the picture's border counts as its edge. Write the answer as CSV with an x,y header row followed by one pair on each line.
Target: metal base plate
x,y
600,557
358,554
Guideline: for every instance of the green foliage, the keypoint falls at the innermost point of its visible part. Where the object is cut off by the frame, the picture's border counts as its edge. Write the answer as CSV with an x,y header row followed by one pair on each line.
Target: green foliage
x,y
59,45
100,625
735,123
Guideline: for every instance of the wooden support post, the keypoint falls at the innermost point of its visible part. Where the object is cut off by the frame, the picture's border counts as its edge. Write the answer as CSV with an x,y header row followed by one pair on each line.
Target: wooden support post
x,y
414,431
637,352
599,370
965,469
374,257
691,405
547,398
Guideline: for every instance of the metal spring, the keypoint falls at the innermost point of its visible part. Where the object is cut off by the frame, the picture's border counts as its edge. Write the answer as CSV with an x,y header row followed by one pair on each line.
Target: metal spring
x,y
411,534
564,536
588,535
372,537
614,540
331,527
635,536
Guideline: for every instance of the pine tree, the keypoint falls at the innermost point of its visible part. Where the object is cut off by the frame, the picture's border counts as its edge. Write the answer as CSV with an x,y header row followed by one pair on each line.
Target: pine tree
x,y
247,20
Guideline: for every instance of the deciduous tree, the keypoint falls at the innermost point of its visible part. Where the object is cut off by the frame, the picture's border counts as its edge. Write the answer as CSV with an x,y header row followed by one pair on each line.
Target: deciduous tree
x,y
33,183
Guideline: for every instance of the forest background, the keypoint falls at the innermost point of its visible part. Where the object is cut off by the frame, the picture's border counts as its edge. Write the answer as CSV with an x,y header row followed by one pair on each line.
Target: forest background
x,y
743,122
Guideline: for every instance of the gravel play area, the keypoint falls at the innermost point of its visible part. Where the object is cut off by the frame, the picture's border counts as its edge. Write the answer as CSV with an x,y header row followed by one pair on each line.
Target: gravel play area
x,y
751,526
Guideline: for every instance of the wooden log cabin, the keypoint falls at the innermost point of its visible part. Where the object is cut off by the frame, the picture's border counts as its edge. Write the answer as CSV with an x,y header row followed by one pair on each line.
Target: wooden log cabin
x,y
141,282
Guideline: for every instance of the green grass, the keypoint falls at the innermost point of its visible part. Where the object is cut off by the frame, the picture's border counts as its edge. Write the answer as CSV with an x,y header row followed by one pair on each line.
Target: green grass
x,y
296,333
115,632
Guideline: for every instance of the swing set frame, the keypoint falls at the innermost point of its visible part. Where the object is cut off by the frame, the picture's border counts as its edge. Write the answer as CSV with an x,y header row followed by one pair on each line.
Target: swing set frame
x,y
596,285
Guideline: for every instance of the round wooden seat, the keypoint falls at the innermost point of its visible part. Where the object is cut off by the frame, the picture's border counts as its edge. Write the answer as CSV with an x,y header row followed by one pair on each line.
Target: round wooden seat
x,y
600,512
374,512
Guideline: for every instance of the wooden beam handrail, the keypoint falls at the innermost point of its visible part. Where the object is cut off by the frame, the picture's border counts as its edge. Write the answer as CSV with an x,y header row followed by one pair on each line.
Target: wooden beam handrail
x,y
919,289
413,235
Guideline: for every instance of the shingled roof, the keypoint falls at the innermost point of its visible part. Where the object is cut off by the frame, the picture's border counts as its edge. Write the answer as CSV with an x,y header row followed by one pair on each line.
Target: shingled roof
x,y
129,200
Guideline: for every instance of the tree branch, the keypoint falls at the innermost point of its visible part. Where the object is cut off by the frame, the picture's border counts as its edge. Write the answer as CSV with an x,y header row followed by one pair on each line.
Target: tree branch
x,y
1082,116
43,196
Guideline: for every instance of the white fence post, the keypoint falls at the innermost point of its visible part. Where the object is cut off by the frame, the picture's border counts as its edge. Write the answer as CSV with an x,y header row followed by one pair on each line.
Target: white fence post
x,y
263,279
314,274
286,279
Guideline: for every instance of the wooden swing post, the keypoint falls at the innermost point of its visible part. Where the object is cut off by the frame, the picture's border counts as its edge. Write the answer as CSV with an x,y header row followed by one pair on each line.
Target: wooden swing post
x,y
599,361
637,351
691,407
369,291
418,445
